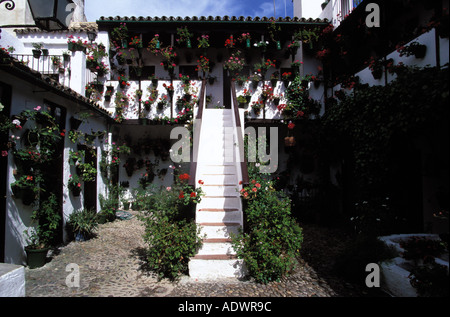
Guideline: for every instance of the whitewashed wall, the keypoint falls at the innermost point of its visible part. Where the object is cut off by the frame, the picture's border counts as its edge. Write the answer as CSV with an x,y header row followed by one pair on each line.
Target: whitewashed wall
x,y
18,215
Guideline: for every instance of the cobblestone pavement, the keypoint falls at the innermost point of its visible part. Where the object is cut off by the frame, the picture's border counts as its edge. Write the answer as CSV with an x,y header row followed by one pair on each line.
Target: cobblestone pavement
x,y
112,265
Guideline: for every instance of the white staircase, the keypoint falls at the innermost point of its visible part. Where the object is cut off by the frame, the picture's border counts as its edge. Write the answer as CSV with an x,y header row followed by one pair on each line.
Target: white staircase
x,y
220,211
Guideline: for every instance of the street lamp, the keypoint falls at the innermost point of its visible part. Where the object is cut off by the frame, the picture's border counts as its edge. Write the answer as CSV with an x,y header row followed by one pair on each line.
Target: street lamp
x,y
52,15
92,35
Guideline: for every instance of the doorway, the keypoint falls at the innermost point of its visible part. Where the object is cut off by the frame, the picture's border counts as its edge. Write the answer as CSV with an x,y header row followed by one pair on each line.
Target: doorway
x,y
5,100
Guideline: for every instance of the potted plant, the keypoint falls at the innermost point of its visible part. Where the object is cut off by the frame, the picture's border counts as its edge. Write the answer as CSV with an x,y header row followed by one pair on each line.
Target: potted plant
x,y
274,79
83,224
66,57
37,49
109,92
184,36
126,204
415,48
75,123
35,250
43,235
74,185
242,101
289,141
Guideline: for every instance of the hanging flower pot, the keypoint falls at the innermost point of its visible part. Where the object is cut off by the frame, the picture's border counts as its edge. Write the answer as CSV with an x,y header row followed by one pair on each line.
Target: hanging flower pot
x,y
75,123
377,73
37,53
248,43
28,196
420,51
188,43
76,191
289,141
278,45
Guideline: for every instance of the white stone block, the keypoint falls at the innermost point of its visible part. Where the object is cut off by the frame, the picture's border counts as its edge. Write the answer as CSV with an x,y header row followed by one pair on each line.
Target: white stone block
x,y
12,280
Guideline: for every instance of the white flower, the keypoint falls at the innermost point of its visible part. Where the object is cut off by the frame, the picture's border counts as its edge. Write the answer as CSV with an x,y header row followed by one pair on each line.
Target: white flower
x,y
16,122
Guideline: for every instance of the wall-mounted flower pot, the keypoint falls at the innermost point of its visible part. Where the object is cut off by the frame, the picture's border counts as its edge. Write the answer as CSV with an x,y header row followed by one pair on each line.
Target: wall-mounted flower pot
x,y
289,141
76,191
377,73
75,123
37,53
45,52
420,51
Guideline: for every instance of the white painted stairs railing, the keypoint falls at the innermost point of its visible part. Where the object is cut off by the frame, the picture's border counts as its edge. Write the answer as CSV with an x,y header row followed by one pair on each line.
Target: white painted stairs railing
x,y
219,213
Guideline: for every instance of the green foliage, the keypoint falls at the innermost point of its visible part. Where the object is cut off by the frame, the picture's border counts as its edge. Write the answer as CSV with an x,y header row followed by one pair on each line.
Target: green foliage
x,y
430,280
273,240
47,219
299,103
83,222
110,203
370,120
170,230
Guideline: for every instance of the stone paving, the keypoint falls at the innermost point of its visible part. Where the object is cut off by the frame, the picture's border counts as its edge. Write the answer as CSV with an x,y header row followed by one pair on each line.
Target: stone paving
x,y
113,265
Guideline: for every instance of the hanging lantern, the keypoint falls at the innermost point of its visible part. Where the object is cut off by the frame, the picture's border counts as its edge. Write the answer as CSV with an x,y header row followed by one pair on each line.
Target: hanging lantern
x,y
52,15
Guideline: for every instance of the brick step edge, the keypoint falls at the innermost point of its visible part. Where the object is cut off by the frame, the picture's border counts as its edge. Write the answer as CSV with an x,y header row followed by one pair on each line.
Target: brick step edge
x,y
215,257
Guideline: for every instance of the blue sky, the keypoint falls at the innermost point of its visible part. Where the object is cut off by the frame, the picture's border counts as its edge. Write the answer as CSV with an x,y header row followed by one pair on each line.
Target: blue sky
x,y
183,8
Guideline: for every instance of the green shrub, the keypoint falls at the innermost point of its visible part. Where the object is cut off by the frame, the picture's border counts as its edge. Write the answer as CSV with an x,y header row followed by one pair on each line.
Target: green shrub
x,y
83,222
272,239
170,230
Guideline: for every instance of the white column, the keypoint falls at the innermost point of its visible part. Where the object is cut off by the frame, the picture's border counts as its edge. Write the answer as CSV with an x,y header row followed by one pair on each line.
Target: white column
x,y
78,72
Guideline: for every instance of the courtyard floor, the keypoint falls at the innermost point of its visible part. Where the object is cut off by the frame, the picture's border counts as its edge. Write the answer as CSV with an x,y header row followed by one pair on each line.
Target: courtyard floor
x,y
113,265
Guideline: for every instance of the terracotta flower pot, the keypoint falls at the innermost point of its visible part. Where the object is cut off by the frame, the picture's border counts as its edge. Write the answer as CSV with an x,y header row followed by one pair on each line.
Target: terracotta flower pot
x,y
289,141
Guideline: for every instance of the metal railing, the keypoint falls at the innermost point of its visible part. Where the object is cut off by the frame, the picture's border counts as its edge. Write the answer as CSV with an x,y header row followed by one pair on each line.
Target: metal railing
x,y
196,136
55,66
240,137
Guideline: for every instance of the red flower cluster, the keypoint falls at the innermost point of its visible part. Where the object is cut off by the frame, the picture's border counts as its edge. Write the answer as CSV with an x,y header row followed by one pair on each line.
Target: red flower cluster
x,y
230,42
184,177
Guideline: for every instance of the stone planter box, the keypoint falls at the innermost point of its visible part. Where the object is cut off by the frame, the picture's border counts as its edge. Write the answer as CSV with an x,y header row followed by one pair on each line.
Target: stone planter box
x,y
395,272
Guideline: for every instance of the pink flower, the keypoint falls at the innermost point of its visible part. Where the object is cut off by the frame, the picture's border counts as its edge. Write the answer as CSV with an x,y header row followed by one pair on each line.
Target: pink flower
x,y
4,153
37,108
169,189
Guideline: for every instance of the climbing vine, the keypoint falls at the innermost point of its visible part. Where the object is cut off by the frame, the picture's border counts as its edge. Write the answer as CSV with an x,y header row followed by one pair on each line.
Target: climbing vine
x,y
370,119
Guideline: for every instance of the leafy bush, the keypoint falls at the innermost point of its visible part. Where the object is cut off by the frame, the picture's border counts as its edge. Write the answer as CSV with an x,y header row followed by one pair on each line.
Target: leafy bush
x,y
272,238
170,231
430,280
83,222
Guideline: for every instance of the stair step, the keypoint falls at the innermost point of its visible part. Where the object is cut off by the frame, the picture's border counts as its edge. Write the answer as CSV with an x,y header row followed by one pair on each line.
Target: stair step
x,y
215,257
219,224
219,216
213,267
219,232
217,190
219,179
217,240
216,169
219,248
220,203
